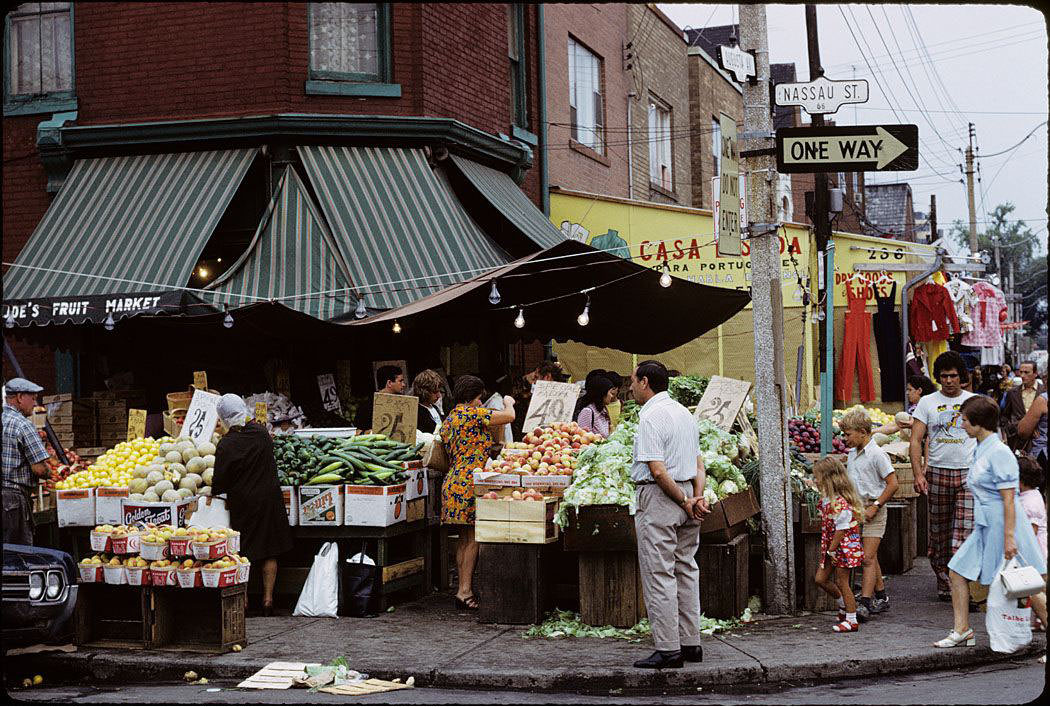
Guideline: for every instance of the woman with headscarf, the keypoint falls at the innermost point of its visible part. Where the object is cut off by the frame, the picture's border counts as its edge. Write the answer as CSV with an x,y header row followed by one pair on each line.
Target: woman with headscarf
x,y
246,471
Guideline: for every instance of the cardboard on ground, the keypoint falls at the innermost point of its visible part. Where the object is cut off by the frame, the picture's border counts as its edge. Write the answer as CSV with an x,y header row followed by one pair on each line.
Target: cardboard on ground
x,y
395,416
276,676
722,400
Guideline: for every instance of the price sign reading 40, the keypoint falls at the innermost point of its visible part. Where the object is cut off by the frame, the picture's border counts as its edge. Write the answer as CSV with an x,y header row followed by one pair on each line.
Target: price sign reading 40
x,y
551,402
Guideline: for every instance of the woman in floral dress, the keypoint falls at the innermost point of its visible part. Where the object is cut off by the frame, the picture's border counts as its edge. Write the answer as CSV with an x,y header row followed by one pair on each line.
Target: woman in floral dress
x,y
840,544
467,436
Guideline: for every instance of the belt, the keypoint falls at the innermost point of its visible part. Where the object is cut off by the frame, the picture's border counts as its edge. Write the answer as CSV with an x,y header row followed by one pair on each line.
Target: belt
x,y
651,481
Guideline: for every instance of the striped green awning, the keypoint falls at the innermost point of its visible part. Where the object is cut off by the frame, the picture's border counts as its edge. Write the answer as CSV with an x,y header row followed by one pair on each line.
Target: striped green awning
x,y
127,224
396,221
511,201
292,259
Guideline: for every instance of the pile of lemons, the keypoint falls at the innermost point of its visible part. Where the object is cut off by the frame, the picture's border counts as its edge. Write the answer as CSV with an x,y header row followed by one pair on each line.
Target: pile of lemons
x,y
115,467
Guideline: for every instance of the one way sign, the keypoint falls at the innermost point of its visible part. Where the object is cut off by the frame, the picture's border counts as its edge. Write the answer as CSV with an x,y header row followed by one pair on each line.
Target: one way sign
x,y
848,148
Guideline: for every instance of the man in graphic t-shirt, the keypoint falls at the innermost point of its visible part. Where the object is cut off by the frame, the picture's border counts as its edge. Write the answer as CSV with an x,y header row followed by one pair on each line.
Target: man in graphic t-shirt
x,y
943,474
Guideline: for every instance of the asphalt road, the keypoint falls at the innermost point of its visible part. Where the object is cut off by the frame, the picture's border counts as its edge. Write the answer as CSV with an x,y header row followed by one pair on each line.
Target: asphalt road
x,y
1020,682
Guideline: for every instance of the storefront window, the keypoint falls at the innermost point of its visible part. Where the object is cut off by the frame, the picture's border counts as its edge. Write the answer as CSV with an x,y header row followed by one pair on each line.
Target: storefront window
x,y
586,107
660,145
39,41
349,41
516,54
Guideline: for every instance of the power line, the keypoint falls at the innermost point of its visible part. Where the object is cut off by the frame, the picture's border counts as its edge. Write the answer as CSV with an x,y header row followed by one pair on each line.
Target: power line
x,y
996,154
932,76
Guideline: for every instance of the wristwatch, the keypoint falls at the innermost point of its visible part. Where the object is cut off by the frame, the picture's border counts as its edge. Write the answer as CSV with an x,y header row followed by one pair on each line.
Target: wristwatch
x,y
876,503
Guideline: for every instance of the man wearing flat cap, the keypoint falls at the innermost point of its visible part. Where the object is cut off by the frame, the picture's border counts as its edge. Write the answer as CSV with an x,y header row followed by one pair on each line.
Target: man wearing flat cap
x,y
23,458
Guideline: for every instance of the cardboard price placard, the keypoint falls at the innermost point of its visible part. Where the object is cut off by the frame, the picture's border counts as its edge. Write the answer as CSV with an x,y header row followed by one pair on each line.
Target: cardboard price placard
x,y
395,416
261,413
201,417
329,394
200,380
136,423
722,400
551,402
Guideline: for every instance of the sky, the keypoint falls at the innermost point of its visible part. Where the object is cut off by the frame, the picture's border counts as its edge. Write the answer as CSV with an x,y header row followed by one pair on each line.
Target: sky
x,y
985,64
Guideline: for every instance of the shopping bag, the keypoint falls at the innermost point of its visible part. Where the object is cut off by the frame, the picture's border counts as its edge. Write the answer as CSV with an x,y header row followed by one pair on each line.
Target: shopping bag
x,y
211,513
1009,628
320,595
1021,581
436,459
358,590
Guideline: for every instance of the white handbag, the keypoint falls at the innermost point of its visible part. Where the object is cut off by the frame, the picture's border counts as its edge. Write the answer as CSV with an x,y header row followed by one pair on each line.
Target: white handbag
x,y
1021,581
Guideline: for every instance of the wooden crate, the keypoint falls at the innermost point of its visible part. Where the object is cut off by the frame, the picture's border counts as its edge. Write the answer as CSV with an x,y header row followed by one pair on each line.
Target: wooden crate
x,y
601,528
112,616
611,589
402,569
416,509
724,577
513,521
199,620
727,517
897,550
507,509
905,481
810,596
514,582
756,564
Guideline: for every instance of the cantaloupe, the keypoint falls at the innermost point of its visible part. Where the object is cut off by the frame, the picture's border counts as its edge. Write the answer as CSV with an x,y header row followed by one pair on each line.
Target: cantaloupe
x,y
173,457
162,486
209,461
184,493
170,496
150,496
205,448
138,486
153,477
141,472
196,465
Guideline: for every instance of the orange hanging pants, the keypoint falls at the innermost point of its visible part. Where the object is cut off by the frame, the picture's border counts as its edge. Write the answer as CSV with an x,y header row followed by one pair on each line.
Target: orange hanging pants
x,y
856,351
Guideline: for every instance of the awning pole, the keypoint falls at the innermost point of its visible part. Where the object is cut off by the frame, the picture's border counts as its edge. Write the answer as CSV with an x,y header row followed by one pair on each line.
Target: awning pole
x,y
51,436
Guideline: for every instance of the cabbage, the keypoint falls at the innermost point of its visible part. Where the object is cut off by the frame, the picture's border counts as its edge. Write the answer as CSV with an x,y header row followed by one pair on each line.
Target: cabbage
x,y
710,495
728,487
603,475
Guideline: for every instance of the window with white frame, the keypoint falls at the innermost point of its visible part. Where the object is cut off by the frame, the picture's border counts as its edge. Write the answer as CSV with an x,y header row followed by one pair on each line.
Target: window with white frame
x,y
40,46
716,145
348,41
586,107
660,173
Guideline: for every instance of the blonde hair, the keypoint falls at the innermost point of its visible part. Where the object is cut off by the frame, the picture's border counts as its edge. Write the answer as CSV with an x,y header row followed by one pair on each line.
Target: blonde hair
x,y
833,481
427,382
856,419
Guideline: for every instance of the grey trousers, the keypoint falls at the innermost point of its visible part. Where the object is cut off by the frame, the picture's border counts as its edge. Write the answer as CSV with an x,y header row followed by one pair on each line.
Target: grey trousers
x,y
668,541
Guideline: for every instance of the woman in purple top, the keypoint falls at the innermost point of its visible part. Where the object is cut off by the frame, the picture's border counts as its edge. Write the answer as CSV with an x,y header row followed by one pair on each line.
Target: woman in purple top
x,y
599,392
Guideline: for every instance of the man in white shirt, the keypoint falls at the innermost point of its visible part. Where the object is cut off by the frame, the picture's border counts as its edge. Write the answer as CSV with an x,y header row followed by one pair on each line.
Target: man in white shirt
x,y
943,474
669,473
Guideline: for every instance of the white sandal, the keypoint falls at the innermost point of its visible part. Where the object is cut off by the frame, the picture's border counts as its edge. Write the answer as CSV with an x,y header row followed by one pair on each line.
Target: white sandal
x,y
954,639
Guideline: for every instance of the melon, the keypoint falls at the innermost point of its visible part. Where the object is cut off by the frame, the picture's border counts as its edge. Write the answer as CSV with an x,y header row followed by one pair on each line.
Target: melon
x,y
177,469
181,439
170,496
184,493
189,453
154,477
173,457
205,448
207,476
150,496
165,448
205,491
188,483
138,486
162,486
209,461
196,465
141,472
136,497
197,479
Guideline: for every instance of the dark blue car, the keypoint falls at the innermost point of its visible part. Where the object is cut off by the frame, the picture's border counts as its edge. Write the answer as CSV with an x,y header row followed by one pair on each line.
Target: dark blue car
x,y
39,593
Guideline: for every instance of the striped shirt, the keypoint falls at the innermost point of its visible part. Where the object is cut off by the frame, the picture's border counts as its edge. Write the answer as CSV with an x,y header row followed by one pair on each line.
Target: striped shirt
x,y
22,448
666,433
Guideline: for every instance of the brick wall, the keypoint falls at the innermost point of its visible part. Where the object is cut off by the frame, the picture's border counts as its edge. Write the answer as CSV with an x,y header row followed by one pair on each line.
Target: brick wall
x,y
601,28
710,93
661,65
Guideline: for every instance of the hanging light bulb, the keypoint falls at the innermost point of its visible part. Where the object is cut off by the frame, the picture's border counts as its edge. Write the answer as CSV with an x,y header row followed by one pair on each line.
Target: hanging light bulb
x,y
494,296
665,277
519,321
994,279
227,321
109,323
821,316
585,316
397,328
9,320
360,312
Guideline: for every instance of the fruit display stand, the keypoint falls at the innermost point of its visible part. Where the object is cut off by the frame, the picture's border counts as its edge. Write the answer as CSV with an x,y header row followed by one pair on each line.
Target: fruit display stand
x,y
112,616
207,620
724,577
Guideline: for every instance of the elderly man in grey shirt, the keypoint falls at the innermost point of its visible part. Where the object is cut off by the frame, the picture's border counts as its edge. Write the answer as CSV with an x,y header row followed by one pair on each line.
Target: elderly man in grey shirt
x,y
669,472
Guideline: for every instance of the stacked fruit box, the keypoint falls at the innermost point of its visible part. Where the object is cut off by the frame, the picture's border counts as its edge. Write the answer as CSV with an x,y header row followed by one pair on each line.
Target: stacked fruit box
x,y
112,415
73,421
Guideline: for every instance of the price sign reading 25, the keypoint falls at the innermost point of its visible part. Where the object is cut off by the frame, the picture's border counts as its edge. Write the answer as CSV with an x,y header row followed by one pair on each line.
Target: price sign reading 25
x,y
395,416
551,402
201,416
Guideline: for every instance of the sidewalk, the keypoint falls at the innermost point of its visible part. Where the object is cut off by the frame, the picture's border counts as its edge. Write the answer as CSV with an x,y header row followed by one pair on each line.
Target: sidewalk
x,y
449,649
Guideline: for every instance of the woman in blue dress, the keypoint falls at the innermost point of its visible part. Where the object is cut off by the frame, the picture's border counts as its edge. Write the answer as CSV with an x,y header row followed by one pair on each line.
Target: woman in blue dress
x,y
1001,528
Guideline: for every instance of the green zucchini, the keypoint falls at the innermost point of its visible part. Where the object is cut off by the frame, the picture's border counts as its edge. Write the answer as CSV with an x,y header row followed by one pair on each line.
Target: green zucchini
x,y
324,479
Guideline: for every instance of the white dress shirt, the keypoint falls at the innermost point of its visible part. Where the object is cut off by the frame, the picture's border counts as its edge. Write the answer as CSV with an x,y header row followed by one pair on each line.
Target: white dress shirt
x,y
666,433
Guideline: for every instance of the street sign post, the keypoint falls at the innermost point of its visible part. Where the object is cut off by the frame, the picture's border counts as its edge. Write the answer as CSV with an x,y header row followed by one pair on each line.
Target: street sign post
x,y
850,148
729,188
821,95
737,62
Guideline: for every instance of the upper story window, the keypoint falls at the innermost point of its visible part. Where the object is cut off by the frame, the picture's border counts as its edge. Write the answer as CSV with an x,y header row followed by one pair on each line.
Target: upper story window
x,y
349,41
586,106
716,145
39,73
660,172
516,54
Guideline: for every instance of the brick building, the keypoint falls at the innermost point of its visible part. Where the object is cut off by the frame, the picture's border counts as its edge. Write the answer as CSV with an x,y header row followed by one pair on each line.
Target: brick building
x,y
890,211
123,79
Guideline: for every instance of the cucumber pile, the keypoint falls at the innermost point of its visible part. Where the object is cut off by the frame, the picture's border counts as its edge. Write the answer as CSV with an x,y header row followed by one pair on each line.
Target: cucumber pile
x,y
371,460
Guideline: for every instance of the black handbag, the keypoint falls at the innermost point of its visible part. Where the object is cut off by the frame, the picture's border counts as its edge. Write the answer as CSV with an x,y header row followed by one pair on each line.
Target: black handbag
x,y
358,588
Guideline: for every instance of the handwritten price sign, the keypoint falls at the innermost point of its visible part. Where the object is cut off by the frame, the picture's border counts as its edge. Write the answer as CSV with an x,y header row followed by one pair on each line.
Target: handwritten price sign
x,y
395,416
551,402
722,400
201,417
136,423
329,394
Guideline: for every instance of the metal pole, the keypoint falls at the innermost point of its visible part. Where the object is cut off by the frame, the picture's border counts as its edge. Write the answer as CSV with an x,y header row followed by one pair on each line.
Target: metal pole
x,y
906,334
768,312
969,189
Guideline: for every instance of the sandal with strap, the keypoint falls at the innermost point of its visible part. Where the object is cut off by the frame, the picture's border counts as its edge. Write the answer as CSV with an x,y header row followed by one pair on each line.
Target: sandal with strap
x,y
954,639
842,615
845,627
468,604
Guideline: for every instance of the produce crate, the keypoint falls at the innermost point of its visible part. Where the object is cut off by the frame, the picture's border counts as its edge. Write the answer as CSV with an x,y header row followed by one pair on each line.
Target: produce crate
x,y
724,577
514,580
416,510
513,521
897,550
727,517
200,620
611,589
905,481
600,528
112,616
810,596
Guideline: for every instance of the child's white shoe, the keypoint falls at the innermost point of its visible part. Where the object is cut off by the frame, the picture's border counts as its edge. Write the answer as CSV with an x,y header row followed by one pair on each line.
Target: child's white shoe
x,y
955,639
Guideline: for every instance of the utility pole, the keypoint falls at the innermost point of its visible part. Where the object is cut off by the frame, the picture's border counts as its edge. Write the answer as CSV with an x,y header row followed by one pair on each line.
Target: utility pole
x,y
825,258
1014,315
969,189
933,217
768,313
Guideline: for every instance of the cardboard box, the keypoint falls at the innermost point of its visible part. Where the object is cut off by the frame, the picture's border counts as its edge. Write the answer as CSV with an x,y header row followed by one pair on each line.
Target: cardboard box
x,y
171,427
375,506
158,513
416,510
108,507
321,505
514,510
290,494
502,491
550,485
503,531
495,478
416,484
727,517
76,507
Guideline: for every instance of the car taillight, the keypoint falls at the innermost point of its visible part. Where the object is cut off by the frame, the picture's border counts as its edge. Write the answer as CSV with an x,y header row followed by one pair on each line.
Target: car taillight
x,y
55,583
36,585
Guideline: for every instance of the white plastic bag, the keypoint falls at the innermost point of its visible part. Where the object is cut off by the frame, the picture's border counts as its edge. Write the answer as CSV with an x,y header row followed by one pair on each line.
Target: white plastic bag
x,y
320,595
1009,628
211,513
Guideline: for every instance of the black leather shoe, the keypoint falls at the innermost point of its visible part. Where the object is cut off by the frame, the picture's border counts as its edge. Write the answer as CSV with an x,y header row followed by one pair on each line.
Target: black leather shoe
x,y
693,654
661,659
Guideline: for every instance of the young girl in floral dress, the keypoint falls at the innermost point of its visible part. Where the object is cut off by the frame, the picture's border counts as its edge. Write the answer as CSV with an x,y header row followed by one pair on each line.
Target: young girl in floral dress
x,y
841,511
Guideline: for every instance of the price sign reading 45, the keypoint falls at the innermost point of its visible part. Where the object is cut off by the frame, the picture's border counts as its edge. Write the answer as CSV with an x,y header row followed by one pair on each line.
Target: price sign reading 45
x,y
329,393
551,402
201,417
395,416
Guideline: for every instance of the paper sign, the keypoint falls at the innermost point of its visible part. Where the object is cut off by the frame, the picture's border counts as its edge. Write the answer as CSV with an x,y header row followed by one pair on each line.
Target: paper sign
x,y
200,380
136,423
395,416
329,395
201,417
261,413
551,402
722,400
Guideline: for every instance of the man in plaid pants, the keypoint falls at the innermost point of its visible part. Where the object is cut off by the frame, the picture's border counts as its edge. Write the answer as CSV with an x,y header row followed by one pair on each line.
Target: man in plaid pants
x,y
943,474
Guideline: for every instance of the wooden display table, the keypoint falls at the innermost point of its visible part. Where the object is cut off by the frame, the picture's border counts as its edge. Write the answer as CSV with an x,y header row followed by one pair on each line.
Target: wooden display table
x,y
724,577
514,582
